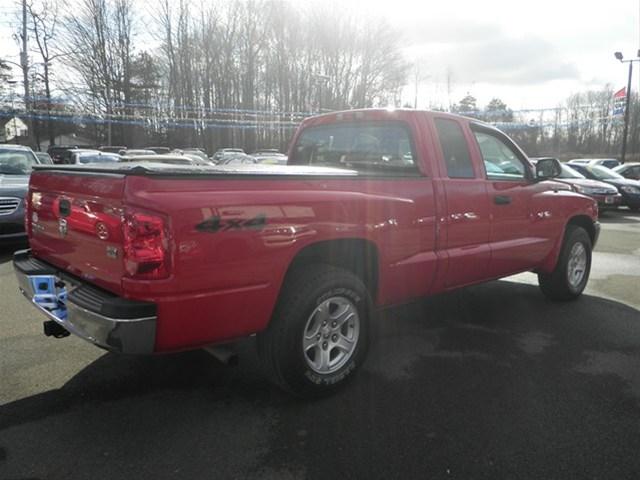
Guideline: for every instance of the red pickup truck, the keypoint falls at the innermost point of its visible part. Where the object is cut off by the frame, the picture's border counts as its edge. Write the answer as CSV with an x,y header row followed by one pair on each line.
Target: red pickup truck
x,y
376,207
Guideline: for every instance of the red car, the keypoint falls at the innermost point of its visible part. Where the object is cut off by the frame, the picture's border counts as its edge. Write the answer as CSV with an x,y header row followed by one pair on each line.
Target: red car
x,y
374,208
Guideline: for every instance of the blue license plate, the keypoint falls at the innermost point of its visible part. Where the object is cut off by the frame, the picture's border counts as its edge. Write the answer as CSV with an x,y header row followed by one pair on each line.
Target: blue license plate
x,y
50,294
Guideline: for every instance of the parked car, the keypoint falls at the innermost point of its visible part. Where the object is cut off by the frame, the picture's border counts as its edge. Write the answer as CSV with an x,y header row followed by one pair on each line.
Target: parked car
x,y
197,152
159,150
603,162
272,160
226,151
629,189
169,159
301,255
16,163
136,152
266,152
606,195
112,148
270,157
629,170
236,159
44,158
80,157
60,153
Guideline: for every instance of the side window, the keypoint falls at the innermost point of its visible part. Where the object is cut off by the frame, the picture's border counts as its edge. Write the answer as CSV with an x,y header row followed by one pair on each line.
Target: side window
x,y
500,161
455,149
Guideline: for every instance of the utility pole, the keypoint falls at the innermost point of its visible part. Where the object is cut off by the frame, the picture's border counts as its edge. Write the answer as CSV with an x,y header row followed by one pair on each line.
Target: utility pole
x,y
620,57
416,79
626,115
24,64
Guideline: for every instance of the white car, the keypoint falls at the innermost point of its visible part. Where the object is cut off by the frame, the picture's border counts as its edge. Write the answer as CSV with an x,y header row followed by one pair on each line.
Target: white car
x,y
604,162
81,157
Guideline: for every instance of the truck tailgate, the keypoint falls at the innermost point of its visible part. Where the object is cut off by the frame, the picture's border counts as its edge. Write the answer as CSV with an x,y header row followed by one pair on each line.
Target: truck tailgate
x,y
75,221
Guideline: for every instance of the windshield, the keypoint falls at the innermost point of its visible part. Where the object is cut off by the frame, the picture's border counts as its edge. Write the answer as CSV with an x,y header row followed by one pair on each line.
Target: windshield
x,y
568,172
367,147
98,158
16,162
603,173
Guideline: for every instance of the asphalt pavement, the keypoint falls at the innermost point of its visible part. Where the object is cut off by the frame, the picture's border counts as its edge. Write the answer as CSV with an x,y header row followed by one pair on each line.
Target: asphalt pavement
x,y
488,382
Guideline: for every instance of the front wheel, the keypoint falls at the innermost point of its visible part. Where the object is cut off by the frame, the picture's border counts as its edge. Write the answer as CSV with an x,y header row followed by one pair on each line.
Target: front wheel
x,y
319,333
569,279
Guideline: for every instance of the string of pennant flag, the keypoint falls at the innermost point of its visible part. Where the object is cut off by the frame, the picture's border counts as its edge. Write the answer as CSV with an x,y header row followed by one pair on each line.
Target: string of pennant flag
x,y
220,124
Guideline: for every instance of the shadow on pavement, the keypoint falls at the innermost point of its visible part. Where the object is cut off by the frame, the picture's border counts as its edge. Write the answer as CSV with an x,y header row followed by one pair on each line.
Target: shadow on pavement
x,y
621,215
492,381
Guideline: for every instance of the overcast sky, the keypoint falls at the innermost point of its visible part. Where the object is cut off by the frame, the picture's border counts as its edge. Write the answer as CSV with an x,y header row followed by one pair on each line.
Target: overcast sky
x,y
530,54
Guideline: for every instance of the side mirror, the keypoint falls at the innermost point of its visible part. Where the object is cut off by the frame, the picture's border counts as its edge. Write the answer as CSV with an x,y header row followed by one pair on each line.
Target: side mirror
x,y
548,168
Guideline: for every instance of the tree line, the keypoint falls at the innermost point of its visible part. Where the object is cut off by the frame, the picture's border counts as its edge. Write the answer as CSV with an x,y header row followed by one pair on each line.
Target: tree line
x,y
245,73
582,125
213,73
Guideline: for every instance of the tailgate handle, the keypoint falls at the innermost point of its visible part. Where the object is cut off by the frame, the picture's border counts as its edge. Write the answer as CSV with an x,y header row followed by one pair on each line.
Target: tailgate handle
x,y
502,200
64,208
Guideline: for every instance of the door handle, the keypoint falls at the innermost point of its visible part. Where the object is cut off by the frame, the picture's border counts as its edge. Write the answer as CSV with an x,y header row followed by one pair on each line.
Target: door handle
x,y
502,200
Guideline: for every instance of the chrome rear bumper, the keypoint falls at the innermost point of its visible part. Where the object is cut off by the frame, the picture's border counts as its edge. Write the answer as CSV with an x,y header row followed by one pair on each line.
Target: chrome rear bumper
x,y
106,320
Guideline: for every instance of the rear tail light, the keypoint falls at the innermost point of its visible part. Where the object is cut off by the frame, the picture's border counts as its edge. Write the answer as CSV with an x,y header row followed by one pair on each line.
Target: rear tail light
x,y
146,246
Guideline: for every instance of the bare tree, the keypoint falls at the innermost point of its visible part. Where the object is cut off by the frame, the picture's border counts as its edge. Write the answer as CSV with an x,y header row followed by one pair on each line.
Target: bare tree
x,y
44,27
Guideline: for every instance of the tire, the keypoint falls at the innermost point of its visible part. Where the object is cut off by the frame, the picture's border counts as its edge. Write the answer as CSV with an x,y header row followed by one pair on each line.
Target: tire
x,y
566,282
305,356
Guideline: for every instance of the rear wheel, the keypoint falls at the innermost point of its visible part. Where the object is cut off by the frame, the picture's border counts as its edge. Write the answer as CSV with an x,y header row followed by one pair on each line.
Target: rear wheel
x,y
319,334
570,277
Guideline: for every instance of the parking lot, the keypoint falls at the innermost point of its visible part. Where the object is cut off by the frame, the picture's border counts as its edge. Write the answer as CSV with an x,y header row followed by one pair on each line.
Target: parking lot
x,y
492,381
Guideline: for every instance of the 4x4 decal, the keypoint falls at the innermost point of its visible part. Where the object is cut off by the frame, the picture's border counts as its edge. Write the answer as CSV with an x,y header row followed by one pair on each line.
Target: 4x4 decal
x,y
215,224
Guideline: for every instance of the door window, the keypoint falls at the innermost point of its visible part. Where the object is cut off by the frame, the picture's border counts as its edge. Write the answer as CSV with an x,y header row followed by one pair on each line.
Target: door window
x,y
500,159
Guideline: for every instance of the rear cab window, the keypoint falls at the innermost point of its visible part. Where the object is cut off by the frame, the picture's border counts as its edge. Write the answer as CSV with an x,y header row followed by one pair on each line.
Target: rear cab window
x,y
376,148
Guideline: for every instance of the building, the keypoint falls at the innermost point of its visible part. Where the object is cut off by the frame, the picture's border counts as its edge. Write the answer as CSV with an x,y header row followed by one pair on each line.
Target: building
x,y
69,139
12,129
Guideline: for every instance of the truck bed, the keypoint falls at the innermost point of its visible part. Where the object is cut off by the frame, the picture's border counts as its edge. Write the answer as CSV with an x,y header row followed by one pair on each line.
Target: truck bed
x,y
231,233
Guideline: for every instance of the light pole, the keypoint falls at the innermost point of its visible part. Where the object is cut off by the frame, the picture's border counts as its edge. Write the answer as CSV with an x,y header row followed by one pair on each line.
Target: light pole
x,y
620,57
13,109
321,81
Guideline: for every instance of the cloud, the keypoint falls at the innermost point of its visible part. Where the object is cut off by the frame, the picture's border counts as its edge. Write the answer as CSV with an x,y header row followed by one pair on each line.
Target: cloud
x,y
486,53
522,61
443,30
